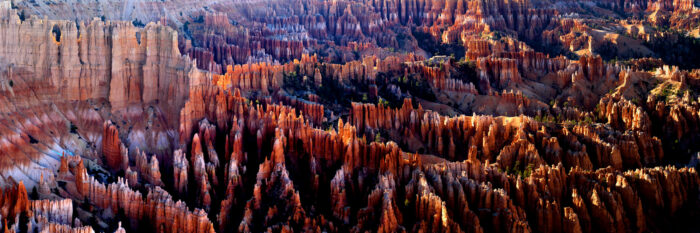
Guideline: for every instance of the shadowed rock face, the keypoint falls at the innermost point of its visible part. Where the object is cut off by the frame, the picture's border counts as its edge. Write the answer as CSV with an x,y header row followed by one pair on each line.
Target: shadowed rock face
x,y
349,116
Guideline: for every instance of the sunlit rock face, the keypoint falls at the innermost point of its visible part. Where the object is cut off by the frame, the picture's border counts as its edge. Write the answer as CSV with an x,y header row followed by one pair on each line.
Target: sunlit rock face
x,y
349,116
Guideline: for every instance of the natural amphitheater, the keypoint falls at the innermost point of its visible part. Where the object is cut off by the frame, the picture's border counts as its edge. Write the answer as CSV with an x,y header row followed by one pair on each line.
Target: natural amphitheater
x,y
213,116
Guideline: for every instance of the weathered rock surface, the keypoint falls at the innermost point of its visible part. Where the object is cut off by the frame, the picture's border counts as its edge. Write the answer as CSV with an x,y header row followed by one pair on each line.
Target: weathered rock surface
x,y
335,116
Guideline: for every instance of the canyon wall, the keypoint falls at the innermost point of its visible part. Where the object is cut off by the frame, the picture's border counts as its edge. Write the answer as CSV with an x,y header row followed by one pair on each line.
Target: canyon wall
x,y
111,60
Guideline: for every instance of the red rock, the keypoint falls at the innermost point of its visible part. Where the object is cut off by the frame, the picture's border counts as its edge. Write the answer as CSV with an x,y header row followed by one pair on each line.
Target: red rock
x,y
112,148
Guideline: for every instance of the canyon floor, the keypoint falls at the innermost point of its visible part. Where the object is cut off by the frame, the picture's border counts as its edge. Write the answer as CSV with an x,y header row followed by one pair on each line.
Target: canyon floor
x,y
349,116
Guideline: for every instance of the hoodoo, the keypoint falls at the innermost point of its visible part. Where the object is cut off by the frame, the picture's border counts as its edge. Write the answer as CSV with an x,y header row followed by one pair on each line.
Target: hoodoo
x,y
349,116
